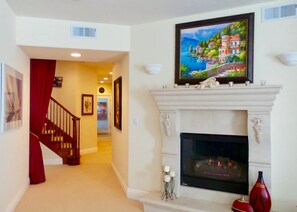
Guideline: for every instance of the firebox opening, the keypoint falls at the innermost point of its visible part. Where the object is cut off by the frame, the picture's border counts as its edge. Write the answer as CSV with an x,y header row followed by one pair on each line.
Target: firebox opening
x,y
215,162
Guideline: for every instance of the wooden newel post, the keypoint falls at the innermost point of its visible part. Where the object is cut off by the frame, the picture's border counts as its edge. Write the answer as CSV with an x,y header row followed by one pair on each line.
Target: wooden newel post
x,y
75,156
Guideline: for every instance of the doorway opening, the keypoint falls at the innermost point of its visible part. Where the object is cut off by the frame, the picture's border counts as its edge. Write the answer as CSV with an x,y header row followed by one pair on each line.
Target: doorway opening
x,y
103,115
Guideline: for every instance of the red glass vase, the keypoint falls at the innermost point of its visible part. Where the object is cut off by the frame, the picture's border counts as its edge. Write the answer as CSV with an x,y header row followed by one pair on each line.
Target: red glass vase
x,y
259,196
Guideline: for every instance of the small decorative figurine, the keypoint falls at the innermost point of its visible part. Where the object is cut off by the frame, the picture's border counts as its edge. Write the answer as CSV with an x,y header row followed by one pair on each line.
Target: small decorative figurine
x,y
209,83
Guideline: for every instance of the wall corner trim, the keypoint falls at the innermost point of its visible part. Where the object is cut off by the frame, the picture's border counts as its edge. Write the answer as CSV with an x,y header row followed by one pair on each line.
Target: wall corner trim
x,y
131,193
121,180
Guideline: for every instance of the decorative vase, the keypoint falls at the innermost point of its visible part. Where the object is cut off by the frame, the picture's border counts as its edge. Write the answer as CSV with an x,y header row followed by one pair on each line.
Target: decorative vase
x,y
240,205
259,196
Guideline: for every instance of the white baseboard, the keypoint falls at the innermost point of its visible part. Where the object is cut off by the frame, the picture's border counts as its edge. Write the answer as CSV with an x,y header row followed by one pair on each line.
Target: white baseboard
x,y
136,194
88,151
14,202
131,193
121,180
53,161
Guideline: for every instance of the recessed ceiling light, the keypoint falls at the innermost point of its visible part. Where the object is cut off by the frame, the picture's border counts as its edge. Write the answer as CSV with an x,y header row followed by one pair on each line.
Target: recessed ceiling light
x,y
105,78
101,81
75,54
110,73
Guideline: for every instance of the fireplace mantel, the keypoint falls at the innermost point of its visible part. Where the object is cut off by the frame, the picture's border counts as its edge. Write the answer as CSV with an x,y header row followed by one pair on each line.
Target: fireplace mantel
x,y
251,98
254,101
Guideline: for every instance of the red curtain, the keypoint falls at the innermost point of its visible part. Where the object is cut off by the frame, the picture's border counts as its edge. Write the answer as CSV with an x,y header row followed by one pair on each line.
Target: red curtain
x,y
42,74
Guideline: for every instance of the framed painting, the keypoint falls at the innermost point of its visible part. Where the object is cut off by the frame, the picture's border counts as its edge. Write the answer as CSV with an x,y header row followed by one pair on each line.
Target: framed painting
x,y
58,82
87,104
11,98
103,107
220,48
118,103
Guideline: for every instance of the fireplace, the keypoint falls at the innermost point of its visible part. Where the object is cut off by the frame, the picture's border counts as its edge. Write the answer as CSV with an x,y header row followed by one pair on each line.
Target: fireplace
x,y
215,162
238,110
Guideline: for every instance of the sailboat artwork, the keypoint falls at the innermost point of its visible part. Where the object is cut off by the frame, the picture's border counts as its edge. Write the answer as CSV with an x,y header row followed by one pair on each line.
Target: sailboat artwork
x,y
11,98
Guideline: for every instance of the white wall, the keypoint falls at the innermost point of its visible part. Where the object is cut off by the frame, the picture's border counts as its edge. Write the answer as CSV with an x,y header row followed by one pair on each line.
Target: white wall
x,y
56,33
14,144
155,43
120,142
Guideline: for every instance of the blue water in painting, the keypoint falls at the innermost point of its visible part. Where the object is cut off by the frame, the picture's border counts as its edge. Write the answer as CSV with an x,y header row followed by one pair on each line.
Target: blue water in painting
x,y
192,37
193,63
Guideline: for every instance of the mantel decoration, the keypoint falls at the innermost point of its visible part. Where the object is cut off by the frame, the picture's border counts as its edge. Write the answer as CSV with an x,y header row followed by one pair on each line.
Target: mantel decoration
x,y
87,104
11,98
209,83
169,184
220,47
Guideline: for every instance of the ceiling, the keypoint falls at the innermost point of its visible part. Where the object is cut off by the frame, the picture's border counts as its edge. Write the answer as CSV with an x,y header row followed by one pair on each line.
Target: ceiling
x,y
122,12
119,12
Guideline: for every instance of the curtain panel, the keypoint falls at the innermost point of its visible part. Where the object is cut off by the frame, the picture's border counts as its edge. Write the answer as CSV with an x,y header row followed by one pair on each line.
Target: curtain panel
x,y
42,74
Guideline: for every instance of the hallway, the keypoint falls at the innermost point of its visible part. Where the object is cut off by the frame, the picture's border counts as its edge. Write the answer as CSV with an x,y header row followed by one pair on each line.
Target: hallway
x,y
91,186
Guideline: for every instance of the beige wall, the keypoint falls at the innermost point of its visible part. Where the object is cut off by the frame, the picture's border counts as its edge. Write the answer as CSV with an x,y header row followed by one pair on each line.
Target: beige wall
x,y
107,87
68,94
158,40
120,142
14,144
78,79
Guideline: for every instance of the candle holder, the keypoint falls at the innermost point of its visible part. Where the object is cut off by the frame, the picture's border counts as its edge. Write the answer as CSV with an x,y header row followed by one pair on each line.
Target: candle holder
x,y
168,184
166,192
172,186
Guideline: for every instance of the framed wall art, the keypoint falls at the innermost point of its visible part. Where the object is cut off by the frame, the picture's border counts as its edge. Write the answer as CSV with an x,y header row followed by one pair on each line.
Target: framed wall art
x,y
219,47
118,103
87,104
58,82
11,98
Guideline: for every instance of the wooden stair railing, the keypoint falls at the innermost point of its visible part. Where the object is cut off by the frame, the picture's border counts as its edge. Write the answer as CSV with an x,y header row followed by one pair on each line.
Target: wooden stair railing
x,y
61,133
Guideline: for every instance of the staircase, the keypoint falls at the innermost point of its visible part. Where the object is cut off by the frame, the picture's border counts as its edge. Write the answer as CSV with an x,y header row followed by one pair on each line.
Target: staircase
x,y
61,133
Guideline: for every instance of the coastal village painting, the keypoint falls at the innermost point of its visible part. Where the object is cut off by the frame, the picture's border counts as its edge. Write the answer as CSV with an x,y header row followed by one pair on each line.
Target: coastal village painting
x,y
214,50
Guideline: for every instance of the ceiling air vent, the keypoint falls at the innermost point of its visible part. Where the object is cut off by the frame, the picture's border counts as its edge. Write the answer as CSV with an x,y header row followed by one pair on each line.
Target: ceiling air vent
x,y
279,12
86,32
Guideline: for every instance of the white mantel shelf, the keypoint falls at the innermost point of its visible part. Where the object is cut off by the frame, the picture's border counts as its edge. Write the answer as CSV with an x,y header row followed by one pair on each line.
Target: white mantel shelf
x,y
237,97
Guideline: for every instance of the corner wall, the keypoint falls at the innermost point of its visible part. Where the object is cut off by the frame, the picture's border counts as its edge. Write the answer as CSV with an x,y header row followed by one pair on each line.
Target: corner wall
x,y
155,43
14,144
120,141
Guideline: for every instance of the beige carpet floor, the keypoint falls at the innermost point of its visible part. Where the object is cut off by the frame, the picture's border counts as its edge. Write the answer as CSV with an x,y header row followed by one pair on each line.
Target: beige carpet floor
x,y
89,187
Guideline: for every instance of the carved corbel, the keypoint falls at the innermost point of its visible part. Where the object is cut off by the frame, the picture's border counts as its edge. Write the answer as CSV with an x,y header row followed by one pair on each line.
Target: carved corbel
x,y
258,126
166,123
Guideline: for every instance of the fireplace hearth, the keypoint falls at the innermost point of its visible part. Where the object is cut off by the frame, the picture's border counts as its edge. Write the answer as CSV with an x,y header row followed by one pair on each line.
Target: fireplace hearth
x,y
215,162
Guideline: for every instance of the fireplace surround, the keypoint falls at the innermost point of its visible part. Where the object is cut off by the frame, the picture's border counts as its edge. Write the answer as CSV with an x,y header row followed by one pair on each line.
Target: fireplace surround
x,y
245,111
